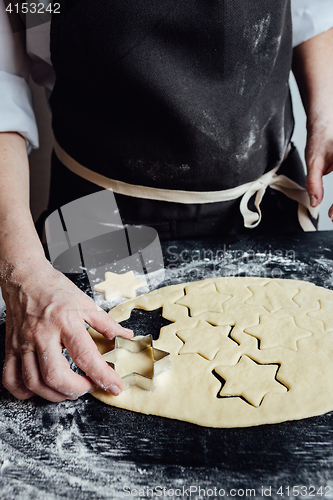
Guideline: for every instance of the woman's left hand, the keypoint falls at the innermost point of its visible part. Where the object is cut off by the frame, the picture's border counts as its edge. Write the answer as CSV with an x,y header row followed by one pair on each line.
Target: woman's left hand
x,y
319,157
313,70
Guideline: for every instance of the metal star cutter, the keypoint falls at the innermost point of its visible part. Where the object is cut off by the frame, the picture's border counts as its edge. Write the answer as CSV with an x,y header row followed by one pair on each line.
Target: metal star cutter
x,y
161,361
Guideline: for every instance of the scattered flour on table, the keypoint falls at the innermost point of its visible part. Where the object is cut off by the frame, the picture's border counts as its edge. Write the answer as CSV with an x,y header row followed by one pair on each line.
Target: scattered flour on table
x,y
44,455
42,447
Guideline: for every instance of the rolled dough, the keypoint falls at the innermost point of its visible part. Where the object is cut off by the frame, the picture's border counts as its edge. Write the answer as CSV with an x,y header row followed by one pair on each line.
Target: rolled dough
x,y
244,351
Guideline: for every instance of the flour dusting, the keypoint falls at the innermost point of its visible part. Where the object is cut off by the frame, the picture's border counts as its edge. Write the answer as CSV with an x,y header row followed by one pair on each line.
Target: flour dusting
x,y
261,31
83,450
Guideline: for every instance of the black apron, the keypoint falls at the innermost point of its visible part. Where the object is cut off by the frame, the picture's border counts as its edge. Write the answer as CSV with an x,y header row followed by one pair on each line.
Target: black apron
x,y
175,94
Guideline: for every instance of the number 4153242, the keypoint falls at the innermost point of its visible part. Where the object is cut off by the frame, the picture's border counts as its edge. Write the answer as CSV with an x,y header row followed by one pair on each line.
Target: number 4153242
x,y
302,491
33,8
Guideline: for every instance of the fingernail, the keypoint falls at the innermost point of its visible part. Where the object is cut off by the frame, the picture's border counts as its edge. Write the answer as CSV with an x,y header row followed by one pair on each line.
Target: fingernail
x,y
313,200
113,389
129,331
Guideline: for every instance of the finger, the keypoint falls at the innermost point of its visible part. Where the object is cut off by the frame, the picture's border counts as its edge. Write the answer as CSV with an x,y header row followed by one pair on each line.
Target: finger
x,y
329,158
12,378
57,374
85,354
34,381
102,322
314,181
107,326
330,212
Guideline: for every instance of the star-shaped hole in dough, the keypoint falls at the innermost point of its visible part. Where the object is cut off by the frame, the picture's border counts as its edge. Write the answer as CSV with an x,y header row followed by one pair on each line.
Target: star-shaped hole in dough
x,y
206,340
119,285
272,296
277,332
324,314
142,321
249,380
201,299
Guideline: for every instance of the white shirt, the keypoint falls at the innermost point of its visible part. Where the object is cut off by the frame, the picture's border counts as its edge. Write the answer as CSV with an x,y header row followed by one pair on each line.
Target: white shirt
x,y
28,53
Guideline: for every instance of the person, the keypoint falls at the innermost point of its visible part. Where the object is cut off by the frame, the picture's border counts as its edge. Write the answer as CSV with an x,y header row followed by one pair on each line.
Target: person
x,y
174,105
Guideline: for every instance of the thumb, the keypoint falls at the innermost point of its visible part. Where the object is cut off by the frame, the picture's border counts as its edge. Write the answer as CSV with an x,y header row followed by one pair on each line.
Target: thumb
x,y
314,180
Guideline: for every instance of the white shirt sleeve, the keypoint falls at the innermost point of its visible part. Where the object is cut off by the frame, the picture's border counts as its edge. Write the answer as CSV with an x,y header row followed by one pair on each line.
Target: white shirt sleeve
x,y
16,111
310,18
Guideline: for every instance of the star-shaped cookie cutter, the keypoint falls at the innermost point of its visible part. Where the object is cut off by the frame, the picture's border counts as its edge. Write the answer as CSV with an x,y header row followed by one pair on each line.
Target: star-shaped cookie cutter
x,y
161,361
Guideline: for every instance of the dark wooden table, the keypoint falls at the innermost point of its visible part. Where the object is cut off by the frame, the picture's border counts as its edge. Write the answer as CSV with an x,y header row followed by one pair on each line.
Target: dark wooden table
x,y
87,450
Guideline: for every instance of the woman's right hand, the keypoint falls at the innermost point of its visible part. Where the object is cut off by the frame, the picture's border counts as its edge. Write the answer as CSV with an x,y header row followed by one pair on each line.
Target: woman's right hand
x,y
46,312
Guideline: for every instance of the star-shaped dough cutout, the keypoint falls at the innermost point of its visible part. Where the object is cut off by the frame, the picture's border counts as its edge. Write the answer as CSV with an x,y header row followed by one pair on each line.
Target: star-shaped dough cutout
x,y
272,296
129,362
205,339
324,314
119,285
249,380
278,332
201,299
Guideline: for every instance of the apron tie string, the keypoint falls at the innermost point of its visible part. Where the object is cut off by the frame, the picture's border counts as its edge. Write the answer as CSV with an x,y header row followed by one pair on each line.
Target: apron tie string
x,y
245,191
286,186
